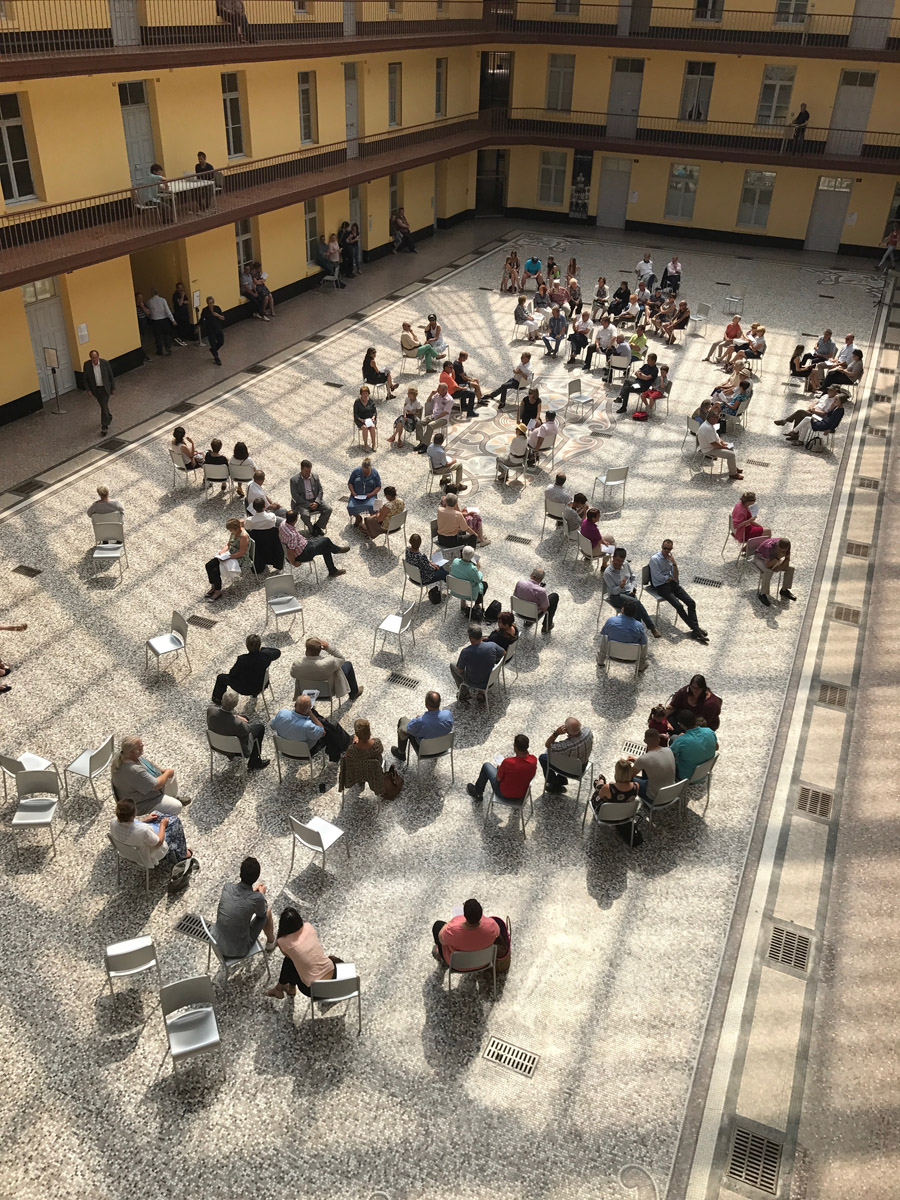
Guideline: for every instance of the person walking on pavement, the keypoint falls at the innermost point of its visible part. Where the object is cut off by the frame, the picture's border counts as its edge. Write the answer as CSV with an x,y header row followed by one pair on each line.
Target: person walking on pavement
x,y
212,328
101,383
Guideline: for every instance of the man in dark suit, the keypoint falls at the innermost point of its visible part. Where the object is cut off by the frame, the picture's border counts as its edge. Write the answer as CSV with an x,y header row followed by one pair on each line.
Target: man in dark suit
x,y
306,499
248,674
101,383
222,719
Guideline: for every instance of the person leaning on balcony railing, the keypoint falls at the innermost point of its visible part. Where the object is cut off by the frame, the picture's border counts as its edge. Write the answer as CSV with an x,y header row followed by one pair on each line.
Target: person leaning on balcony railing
x,y
799,123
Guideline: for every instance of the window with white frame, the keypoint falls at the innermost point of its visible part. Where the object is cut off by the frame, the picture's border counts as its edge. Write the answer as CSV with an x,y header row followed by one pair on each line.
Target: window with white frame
x,y
791,12
682,191
231,103
243,240
775,95
756,198
440,87
560,81
16,179
552,177
309,116
696,90
311,229
393,193
709,10
395,94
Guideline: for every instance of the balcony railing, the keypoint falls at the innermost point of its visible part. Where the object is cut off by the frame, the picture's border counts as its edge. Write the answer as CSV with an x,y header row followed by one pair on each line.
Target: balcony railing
x,y
126,30
45,239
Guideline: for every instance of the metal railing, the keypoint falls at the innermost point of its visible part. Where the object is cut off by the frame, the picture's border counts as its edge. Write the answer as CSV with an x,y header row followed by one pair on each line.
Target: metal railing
x,y
116,28
36,238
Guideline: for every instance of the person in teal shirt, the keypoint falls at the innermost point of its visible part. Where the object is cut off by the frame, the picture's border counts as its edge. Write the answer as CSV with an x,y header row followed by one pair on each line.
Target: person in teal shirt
x,y
465,568
696,745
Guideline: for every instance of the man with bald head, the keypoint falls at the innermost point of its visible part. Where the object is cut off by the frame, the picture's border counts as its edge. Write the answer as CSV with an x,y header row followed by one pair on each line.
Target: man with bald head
x,y
300,724
575,741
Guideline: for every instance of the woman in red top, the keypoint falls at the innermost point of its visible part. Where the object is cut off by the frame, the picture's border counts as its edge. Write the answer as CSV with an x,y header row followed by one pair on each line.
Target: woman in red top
x,y
732,330
698,699
743,520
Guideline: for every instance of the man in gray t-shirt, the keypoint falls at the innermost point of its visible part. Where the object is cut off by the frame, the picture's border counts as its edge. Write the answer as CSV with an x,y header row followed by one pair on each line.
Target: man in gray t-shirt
x,y
658,766
151,788
243,914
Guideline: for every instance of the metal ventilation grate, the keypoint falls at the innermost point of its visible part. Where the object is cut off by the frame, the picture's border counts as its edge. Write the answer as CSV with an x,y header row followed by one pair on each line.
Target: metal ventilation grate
x,y
871,484
850,616
112,444
833,694
789,948
190,926
857,550
255,369
633,747
518,539
28,488
202,622
406,681
891,345
877,431
755,1160
881,399
713,583
505,1054
815,802
28,572
756,462
184,407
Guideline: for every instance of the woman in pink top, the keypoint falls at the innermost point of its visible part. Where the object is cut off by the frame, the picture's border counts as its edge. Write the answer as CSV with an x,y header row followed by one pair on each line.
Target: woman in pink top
x,y
305,960
743,520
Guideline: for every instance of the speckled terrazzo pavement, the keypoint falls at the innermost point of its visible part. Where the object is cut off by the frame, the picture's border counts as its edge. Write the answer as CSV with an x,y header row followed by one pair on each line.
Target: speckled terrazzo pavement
x,y
615,952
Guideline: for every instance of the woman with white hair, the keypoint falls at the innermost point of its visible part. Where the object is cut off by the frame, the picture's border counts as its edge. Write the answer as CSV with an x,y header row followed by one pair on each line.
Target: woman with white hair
x,y
149,787
465,567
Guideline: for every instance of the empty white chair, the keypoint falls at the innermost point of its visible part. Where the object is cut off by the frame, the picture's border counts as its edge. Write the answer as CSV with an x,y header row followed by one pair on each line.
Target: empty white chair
x,y
527,610
124,959
624,652
673,793
38,794
466,962
493,684
109,539
396,625
344,986
612,480
89,764
282,599
10,767
579,397
463,590
553,509
733,305
179,469
295,751
516,805
316,835
435,747
228,746
231,964
613,813
172,642
214,473
190,1019
700,317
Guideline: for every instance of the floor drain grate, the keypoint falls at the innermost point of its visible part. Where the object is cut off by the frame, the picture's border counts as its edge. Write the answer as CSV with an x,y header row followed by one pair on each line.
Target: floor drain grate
x,y
715,583
871,484
891,346
406,681
518,539
190,926
881,399
255,369
112,444
886,371
833,694
755,462
788,948
202,622
755,1160
28,488
850,616
513,1058
877,431
28,572
317,337
857,550
815,802
184,407
635,748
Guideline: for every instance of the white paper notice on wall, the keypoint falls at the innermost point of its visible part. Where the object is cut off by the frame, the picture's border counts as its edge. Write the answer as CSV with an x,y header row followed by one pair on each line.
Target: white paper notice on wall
x,y
851,219
83,335
632,197
196,298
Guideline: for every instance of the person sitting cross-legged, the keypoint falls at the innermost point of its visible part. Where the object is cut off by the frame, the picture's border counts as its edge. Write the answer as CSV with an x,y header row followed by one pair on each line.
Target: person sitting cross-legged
x,y
433,723
511,780
222,719
475,662
556,332
515,455
376,526
625,627
816,416
664,580
300,549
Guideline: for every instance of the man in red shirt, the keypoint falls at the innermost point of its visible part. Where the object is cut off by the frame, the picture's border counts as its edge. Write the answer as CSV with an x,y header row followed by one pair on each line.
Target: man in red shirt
x,y
472,931
464,397
511,779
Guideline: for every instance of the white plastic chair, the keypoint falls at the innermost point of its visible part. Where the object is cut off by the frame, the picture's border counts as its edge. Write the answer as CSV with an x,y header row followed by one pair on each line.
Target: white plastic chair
x,y
229,747
464,590
39,794
10,767
227,963
618,362
614,812
132,855
517,806
190,1019
469,961
703,774
493,684
528,611
571,768
344,986
624,652
172,642
295,751
582,400
435,747
673,793
89,764
316,835
553,509
510,657
214,473
396,625
240,473
646,586
282,599
700,317
178,468
395,523
611,479
586,550
109,537
125,959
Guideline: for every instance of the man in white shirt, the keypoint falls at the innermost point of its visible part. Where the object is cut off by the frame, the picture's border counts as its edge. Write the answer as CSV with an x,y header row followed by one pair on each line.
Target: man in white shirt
x,y
161,322
440,462
441,408
522,377
582,328
604,338
712,445
261,518
256,491
644,271
845,354
541,435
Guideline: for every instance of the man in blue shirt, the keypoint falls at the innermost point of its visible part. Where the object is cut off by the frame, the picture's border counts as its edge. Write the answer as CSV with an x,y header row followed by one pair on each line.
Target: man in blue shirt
x,y
300,724
624,627
664,580
434,722
475,662
532,270
696,745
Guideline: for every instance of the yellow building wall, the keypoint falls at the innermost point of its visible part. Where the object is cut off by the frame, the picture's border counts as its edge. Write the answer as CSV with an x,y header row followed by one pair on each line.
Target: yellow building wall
x,y
455,185
187,117
871,202
524,171
101,297
281,245
19,372
417,191
212,266
377,220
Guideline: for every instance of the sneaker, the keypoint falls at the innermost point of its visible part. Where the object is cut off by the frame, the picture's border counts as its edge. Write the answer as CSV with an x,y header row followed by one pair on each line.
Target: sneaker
x,y
186,801
258,316
334,574
356,695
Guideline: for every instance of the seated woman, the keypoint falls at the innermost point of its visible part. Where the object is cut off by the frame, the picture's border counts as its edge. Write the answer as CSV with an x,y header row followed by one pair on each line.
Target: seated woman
x,y
744,524
427,570
679,320
157,838
542,305
699,415
376,525
406,422
363,485
574,293
305,961
515,455
664,314
364,410
620,298
601,298
740,345
362,761
241,458
697,698
522,317
800,368
509,280
413,348
631,313
373,376
624,787
559,295
530,408
472,516
434,336
236,551
452,527
190,455
506,632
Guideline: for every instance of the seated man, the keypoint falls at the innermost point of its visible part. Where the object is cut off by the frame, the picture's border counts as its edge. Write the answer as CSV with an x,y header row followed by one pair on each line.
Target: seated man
x,y
441,408
472,931
300,724
604,339
826,423
556,331
149,787
645,377
255,490
511,780
818,408
248,674
261,518
534,590
591,530
580,337
515,455
572,739
664,580
465,567
774,556
625,627
243,913
655,768
452,527
222,719
851,373
557,492
440,462
713,446
575,512
299,549
522,377
332,670
263,528
475,663
532,270
546,432
434,722
696,745
619,580
307,500
104,505
464,379
463,396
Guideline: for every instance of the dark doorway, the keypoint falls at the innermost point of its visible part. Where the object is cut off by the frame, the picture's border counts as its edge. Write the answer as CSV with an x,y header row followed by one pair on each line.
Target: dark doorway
x,y
496,79
490,182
